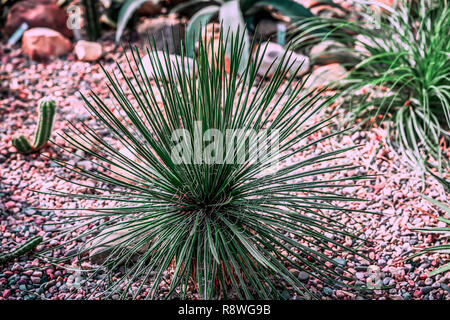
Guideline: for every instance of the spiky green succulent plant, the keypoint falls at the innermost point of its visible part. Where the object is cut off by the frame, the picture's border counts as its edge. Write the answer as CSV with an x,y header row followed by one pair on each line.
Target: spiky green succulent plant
x,y
404,66
222,229
92,21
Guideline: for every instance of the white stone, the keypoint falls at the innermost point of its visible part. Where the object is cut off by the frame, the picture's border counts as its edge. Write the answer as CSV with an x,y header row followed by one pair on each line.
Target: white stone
x,y
272,59
88,51
175,62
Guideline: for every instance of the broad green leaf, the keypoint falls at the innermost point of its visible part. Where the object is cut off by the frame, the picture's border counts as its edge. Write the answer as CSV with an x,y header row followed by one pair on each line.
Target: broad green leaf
x,y
125,14
186,4
195,25
288,8
233,25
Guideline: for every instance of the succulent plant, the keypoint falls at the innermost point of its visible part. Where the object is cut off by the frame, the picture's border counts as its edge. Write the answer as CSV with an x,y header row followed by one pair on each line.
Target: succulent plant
x,y
224,225
444,232
404,52
46,116
91,19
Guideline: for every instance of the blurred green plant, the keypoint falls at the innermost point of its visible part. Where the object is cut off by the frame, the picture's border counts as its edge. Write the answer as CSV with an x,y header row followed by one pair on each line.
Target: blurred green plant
x,y
225,229
47,111
127,10
444,232
92,19
113,13
235,14
21,250
404,56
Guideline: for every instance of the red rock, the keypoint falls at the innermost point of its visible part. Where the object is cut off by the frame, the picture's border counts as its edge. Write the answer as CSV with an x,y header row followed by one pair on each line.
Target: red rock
x,y
37,13
423,276
9,205
42,43
6,293
417,294
149,8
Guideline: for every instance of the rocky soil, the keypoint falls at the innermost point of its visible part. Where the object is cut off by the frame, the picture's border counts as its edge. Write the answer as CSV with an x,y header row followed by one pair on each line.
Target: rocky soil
x,y
394,191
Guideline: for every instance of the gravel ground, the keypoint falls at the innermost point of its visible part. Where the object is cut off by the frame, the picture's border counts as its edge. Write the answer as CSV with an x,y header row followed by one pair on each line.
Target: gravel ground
x,y
394,192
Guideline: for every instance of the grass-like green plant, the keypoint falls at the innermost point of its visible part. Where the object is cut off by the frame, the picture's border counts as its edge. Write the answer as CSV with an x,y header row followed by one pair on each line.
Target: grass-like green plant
x,y
404,52
223,229
444,232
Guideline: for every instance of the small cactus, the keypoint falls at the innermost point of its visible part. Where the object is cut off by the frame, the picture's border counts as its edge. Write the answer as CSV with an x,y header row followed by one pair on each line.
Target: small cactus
x,y
21,250
46,115
91,19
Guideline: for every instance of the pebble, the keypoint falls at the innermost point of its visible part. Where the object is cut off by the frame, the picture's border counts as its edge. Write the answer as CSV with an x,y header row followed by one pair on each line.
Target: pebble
x,y
303,276
406,296
427,289
327,291
340,261
445,287
294,272
35,280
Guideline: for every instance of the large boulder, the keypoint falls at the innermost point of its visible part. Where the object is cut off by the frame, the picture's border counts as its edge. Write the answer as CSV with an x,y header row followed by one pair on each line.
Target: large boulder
x,y
37,14
41,44
174,61
272,56
149,8
266,30
325,76
329,51
165,31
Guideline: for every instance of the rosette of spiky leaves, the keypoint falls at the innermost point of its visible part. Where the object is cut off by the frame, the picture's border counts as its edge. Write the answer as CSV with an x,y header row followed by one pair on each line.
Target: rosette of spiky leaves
x,y
444,232
404,52
223,229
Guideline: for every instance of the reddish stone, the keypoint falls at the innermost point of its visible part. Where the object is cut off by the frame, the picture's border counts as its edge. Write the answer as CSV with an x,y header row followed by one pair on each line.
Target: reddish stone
x,y
417,294
37,13
42,44
9,205
6,293
149,8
